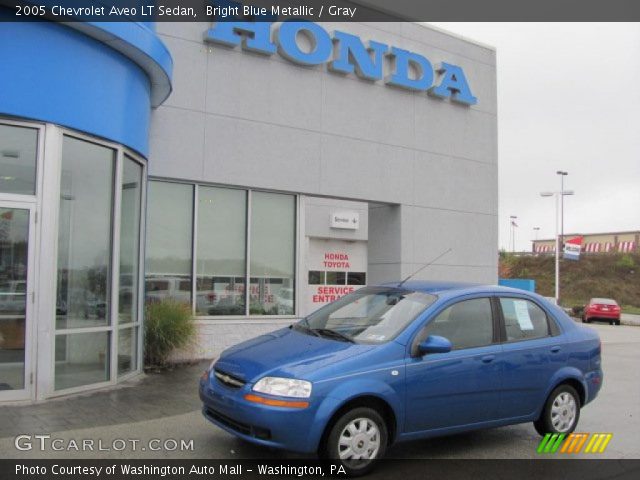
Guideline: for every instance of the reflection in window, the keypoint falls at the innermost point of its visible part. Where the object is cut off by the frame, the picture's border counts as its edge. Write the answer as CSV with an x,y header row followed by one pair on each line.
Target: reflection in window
x,y
127,350
18,150
131,186
84,234
272,256
81,359
221,254
316,277
356,278
169,244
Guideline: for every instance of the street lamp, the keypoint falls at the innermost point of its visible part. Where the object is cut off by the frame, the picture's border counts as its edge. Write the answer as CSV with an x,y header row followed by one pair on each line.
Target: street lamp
x,y
562,175
513,232
536,230
558,195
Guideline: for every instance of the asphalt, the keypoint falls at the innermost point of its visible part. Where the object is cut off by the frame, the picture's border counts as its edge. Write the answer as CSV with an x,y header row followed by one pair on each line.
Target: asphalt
x,y
166,407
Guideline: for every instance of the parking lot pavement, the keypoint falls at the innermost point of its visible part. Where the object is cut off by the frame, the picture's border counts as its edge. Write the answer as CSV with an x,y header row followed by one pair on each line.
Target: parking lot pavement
x,y
165,407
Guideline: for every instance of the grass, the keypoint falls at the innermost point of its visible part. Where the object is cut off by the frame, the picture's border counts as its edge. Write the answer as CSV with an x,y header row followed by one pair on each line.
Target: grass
x,y
615,276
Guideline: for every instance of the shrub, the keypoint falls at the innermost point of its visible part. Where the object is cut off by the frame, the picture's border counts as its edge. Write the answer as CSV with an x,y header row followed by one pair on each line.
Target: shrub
x,y
625,262
168,326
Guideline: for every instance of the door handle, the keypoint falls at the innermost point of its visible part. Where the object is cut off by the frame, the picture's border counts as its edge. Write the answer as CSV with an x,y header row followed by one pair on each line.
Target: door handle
x,y
555,349
488,358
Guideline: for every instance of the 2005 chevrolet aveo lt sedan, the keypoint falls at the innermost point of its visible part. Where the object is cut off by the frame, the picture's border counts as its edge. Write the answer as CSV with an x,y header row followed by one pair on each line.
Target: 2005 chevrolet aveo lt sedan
x,y
405,361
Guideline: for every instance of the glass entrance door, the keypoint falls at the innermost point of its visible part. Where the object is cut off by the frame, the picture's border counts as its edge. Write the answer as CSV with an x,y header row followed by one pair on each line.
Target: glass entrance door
x,y
15,301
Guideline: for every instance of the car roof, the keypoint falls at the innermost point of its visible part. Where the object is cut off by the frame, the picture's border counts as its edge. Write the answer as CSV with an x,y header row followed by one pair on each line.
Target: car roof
x,y
603,300
453,289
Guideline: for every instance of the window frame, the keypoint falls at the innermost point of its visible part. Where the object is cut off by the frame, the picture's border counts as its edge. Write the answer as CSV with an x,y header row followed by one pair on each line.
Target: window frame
x,y
496,337
551,332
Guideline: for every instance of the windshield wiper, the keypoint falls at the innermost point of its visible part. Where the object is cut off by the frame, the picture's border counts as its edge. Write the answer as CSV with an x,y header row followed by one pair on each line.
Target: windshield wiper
x,y
305,328
327,332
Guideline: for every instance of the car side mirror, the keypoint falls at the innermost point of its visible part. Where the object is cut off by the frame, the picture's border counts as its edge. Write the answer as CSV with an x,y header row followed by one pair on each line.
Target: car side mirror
x,y
434,344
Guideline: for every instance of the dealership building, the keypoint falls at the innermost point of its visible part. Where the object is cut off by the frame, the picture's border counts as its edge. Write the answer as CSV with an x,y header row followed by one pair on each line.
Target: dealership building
x,y
253,171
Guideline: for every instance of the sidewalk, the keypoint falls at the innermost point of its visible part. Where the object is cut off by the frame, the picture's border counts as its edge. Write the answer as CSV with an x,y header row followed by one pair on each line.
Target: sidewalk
x,y
153,396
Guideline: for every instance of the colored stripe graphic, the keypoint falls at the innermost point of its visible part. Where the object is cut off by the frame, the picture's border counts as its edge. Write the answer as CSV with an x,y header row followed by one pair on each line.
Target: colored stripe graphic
x,y
573,443
550,443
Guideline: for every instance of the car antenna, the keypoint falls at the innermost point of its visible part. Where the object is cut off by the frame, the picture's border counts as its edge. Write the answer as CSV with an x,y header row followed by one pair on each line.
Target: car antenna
x,y
424,266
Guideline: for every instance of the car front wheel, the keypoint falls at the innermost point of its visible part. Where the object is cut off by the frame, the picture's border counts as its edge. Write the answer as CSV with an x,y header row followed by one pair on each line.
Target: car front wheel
x,y
561,412
357,440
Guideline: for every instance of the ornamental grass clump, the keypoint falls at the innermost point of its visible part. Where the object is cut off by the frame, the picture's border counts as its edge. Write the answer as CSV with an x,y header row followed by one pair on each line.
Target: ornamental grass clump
x,y
168,326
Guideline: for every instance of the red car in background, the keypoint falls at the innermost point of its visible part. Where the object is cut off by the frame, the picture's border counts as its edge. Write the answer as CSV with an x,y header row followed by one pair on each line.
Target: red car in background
x,y
602,309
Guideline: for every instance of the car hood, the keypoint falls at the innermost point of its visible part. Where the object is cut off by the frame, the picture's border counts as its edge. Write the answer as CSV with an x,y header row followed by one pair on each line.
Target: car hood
x,y
286,353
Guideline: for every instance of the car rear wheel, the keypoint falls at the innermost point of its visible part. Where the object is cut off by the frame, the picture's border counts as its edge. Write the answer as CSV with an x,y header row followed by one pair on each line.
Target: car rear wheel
x,y
357,440
617,322
561,412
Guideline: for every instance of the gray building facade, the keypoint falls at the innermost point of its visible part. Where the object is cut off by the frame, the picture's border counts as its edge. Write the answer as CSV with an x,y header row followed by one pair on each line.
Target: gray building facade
x,y
410,175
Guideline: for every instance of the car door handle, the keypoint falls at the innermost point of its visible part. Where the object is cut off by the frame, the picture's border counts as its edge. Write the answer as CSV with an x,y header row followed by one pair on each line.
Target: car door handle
x,y
555,349
488,358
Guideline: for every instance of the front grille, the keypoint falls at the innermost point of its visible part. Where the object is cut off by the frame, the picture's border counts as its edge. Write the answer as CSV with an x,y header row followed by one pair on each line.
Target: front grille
x,y
261,433
228,380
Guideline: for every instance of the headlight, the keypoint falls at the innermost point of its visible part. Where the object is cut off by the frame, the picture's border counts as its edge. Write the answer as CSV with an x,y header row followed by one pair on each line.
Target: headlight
x,y
283,387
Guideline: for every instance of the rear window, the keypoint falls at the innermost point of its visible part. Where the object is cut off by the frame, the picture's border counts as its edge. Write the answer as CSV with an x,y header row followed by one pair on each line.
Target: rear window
x,y
603,301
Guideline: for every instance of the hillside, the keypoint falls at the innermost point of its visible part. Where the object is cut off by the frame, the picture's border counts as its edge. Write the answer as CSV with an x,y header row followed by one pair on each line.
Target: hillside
x,y
614,276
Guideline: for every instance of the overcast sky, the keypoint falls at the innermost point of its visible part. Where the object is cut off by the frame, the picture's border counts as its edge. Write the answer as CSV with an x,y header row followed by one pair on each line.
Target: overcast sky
x,y
568,99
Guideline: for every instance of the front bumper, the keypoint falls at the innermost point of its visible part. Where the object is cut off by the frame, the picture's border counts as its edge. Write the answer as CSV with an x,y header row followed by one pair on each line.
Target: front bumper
x,y
277,427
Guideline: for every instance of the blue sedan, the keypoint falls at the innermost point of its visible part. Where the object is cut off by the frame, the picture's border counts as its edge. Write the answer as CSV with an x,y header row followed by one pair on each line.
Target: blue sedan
x,y
405,361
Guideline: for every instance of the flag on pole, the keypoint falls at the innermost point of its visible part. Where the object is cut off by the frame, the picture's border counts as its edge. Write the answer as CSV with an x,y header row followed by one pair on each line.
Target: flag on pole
x,y
572,248
513,223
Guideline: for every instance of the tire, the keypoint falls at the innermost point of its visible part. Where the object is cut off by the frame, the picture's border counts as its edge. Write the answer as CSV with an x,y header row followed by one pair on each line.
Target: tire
x,y
363,431
617,322
561,402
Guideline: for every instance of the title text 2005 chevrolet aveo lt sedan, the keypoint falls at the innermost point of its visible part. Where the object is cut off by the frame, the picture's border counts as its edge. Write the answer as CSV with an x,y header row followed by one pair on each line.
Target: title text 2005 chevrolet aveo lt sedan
x,y
401,362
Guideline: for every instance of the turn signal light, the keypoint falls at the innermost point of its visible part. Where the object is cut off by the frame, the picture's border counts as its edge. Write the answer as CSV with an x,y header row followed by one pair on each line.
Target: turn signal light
x,y
275,403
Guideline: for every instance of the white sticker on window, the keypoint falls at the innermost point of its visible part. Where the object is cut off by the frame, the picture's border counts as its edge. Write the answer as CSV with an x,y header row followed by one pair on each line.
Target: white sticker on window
x,y
522,314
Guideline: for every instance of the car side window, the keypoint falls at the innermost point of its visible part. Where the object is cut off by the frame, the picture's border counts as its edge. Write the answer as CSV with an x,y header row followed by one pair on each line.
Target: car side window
x,y
465,324
523,320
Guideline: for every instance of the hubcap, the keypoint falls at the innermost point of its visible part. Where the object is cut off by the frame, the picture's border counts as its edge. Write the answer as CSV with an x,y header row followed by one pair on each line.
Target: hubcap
x,y
563,412
359,440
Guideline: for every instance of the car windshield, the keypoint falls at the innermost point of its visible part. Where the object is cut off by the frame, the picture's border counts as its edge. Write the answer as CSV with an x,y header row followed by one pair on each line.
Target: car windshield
x,y
370,315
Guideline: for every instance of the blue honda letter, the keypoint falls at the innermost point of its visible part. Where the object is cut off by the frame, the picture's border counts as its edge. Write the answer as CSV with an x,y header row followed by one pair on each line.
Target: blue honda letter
x,y
321,45
454,85
255,36
353,55
400,78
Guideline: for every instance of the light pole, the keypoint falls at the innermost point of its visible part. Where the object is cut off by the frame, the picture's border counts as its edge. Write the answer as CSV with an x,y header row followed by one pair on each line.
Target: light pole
x,y
562,175
558,195
513,232
536,230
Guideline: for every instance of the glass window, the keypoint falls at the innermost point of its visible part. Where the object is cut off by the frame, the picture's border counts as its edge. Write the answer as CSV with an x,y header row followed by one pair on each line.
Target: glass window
x,y
18,153
336,278
370,315
81,359
356,278
316,277
272,243
169,244
14,239
127,350
131,186
465,324
84,234
523,319
221,254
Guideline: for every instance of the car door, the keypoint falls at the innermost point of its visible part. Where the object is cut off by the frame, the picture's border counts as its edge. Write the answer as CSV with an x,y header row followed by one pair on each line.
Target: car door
x,y
532,351
461,387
